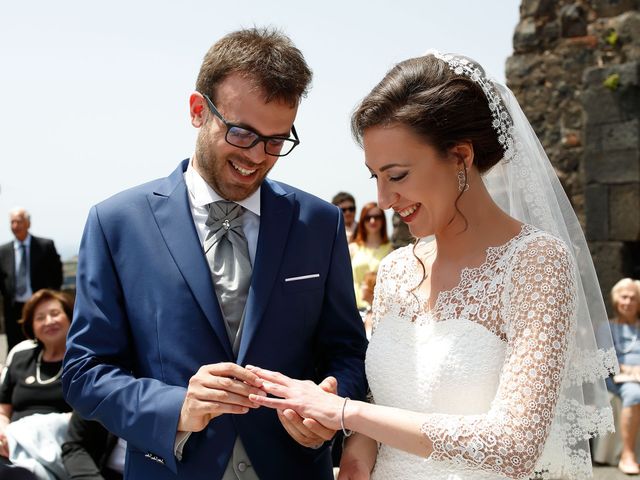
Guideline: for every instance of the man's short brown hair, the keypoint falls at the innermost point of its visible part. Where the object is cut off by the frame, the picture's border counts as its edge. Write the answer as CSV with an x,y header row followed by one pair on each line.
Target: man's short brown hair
x,y
264,55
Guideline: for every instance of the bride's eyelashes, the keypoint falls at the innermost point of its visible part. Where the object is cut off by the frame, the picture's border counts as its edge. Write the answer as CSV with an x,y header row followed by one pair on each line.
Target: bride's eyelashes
x,y
395,178
399,177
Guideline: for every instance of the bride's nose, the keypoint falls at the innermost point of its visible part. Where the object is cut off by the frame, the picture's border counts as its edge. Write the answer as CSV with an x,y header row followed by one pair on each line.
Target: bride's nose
x,y
387,196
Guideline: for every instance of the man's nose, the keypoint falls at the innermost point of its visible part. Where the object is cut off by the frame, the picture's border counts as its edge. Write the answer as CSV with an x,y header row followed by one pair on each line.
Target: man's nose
x,y
256,153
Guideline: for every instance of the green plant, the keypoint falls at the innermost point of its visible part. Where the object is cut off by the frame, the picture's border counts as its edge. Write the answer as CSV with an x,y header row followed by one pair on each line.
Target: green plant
x,y
612,82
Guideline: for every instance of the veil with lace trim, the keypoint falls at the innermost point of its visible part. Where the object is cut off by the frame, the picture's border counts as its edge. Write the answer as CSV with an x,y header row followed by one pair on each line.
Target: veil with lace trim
x,y
525,186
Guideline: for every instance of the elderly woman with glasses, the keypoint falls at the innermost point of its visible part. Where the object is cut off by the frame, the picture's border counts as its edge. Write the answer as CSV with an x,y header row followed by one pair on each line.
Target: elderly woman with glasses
x,y
370,245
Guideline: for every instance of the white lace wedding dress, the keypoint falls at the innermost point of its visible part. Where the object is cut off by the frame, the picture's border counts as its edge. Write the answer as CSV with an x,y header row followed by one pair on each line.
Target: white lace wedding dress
x,y
485,365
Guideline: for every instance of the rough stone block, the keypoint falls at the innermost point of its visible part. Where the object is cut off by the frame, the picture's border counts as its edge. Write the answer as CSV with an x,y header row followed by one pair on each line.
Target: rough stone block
x,y
537,8
602,105
611,137
628,27
613,261
522,67
621,166
610,8
597,211
629,74
624,212
573,21
525,38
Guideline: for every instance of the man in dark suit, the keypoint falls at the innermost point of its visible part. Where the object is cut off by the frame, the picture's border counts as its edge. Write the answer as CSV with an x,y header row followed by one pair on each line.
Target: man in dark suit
x,y
185,280
27,264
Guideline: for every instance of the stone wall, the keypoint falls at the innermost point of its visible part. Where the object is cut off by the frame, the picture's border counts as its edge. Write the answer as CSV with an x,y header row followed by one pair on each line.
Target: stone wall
x,y
576,72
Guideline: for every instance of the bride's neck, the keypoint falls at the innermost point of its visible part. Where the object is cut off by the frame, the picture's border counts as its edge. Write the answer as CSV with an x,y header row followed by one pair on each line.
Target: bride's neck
x,y
479,224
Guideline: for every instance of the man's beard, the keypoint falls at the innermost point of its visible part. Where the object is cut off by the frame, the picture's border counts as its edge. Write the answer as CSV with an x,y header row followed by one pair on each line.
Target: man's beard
x,y
211,168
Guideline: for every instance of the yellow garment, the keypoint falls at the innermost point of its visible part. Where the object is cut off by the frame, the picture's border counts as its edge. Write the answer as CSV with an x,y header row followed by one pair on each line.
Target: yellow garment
x,y
363,260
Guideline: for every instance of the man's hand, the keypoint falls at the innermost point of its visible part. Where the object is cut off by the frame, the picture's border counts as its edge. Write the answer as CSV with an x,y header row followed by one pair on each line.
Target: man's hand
x,y
217,389
306,431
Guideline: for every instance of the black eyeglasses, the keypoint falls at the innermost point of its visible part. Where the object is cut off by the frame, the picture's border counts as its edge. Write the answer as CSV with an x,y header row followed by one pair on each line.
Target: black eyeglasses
x,y
348,209
242,137
379,216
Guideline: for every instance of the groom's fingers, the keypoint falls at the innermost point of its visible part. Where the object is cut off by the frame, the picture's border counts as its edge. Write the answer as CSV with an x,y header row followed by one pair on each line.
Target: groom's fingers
x,y
232,370
274,377
318,429
329,384
297,431
277,403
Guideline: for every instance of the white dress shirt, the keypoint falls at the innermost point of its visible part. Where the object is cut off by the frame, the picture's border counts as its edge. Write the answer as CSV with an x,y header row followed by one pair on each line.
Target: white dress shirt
x,y
201,195
17,252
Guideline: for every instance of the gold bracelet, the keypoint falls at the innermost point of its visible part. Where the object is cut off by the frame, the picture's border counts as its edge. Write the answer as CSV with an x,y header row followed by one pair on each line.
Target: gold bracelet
x,y
345,432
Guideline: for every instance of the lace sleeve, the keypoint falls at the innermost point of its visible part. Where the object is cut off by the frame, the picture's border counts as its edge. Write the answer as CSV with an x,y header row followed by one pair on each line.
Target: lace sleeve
x,y
538,309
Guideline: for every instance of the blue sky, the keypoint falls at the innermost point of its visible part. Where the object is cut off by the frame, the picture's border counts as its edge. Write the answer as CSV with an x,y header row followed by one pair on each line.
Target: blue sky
x,y
94,95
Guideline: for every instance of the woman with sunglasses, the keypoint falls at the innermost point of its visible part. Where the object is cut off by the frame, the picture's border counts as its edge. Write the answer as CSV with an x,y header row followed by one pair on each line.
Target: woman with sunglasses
x,y
370,245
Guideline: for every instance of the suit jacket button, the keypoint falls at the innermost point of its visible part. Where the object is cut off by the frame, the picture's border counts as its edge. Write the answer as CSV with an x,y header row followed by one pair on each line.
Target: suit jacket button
x,y
242,466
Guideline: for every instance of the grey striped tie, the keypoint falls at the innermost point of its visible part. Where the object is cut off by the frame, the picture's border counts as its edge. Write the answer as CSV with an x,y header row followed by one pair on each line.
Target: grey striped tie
x,y
228,255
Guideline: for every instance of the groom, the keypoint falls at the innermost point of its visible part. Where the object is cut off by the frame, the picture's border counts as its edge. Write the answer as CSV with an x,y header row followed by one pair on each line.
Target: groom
x,y
185,280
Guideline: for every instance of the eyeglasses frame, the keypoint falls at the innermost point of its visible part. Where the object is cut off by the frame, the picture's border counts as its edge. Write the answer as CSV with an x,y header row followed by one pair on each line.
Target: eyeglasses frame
x,y
259,138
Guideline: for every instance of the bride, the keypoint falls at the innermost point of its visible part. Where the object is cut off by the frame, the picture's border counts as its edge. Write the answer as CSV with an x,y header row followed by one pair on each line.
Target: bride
x,y
483,363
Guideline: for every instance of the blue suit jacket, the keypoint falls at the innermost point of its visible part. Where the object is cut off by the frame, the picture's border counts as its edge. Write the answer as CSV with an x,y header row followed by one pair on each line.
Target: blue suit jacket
x,y
146,318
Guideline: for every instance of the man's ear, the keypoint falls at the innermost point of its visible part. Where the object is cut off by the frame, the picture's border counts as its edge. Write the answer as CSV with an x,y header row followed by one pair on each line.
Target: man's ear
x,y
197,109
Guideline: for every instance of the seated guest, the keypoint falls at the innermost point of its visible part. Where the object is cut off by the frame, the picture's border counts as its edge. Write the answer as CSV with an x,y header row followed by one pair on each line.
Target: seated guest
x,y
30,381
370,245
91,452
625,330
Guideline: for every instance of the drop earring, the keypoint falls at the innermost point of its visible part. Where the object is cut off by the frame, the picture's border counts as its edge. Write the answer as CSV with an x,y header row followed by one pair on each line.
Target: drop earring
x,y
463,186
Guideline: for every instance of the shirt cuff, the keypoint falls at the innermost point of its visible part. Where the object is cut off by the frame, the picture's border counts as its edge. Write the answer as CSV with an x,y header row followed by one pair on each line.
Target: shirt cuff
x,y
181,441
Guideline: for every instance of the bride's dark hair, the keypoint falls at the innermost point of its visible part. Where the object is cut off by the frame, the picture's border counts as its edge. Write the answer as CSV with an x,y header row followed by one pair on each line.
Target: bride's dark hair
x,y
439,105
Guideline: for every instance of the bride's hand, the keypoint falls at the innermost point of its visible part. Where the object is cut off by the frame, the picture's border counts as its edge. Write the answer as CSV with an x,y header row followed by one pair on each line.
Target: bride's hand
x,y
303,396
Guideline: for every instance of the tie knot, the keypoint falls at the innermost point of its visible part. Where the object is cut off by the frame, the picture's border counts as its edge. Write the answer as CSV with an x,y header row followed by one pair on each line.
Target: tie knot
x,y
224,215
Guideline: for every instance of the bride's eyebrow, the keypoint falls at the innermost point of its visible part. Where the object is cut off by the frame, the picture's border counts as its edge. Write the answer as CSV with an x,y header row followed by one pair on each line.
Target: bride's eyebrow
x,y
390,165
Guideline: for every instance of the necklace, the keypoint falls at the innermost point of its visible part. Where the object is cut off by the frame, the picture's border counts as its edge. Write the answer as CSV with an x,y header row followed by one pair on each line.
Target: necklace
x,y
39,378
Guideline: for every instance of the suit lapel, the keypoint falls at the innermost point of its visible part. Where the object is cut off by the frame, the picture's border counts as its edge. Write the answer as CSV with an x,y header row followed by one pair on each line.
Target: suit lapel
x,y
170,206
276,211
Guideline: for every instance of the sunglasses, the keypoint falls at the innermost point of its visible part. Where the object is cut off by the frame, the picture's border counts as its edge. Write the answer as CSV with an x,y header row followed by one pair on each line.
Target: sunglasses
x,y
374,217
348,209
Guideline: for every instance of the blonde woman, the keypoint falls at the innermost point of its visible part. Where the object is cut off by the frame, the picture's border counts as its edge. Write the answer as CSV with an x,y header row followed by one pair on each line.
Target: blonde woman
x,y
625,329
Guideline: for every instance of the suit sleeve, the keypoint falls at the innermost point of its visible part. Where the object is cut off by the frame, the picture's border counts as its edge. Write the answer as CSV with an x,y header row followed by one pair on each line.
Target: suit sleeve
x,y
341,339
98,379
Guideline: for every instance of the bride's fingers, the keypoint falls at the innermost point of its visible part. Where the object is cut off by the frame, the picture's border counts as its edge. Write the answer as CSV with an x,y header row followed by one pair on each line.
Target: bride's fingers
x,y
274,377
275,389
277,403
